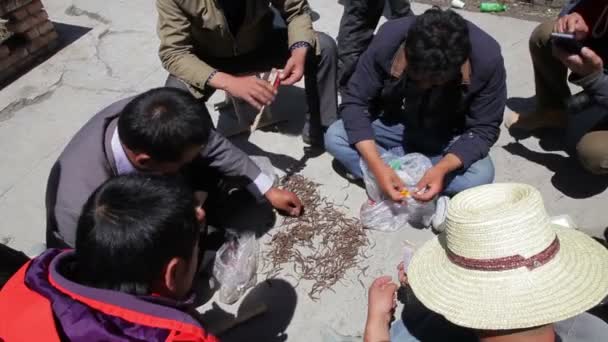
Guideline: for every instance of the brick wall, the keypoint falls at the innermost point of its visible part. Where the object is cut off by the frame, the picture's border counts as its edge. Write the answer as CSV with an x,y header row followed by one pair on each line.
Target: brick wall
x,y
33,36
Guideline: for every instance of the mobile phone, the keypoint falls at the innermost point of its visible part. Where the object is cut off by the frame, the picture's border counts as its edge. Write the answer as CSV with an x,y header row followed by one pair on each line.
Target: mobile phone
x,y
567,42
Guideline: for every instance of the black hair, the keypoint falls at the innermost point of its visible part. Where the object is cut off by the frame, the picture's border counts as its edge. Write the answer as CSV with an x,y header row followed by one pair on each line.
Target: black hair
x,y
163,123
130,228
438,45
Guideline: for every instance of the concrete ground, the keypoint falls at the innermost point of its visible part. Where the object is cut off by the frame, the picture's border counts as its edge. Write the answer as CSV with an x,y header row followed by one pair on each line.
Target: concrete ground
x,y
115,55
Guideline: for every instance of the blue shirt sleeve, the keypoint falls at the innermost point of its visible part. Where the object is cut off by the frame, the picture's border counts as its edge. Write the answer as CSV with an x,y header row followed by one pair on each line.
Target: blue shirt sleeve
x,y
364,86
486,111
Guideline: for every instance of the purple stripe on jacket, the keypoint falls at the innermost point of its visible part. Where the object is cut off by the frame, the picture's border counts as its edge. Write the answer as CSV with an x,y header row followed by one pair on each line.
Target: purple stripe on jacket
x,y
77,321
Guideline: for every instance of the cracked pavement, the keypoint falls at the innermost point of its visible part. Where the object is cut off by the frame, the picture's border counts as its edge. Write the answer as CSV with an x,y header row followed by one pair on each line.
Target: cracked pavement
x,y
117,58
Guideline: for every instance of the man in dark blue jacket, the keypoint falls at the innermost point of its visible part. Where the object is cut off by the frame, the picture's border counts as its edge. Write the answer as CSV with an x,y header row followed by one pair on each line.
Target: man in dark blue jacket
x,y
433,84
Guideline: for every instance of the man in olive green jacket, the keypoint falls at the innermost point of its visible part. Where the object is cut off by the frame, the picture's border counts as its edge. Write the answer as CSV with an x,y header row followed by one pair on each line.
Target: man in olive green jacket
x,y
209,44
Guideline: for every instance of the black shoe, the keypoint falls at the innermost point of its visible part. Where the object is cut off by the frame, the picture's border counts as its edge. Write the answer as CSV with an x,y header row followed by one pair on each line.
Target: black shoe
x,y
344,173
312,134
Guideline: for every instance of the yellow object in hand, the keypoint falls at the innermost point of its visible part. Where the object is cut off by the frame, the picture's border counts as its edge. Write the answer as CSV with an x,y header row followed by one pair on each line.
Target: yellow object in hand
x,y
405,193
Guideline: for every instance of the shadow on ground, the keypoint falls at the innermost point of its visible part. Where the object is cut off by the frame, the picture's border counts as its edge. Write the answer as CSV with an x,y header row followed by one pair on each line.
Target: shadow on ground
x,y
68,34
568,176
288,114
522,104
566,169
264,314
288,117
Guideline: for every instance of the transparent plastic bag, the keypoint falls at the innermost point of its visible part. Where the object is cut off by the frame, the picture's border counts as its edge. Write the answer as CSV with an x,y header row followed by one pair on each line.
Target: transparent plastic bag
x,y
385,216
236,265
373,190
410,168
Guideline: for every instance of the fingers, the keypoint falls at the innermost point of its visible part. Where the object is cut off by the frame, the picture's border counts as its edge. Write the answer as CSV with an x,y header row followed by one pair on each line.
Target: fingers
x,y
263,92
398,183
287,202
385,284
570,24
382,280
574,59
396,187
391,287
200,214
431,191
581,30
295,205
579,25
395,195
267,87
253,102
295,76
287,70
559,26
423,187
587,53
591,57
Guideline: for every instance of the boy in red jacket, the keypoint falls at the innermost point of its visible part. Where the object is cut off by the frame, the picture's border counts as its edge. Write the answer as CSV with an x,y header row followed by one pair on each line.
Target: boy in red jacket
x,y
129,278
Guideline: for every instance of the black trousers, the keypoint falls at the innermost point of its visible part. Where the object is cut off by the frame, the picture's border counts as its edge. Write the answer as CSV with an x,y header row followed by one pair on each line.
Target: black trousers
x,y
357,27
320,72
10,262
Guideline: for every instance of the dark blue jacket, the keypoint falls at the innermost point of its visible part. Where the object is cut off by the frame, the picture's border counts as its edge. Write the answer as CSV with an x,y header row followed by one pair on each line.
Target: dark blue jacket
x,y
570,5
475,117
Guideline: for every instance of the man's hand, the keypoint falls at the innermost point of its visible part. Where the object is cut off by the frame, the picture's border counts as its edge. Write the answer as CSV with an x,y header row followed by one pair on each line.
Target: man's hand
x,y
294,69
386,177
572,23
585,64
430,185
389,182
285,201
382,301
255,91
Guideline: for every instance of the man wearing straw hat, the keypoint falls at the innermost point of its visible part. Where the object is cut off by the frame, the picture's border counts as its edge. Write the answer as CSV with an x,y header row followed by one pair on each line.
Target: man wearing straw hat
x,y
500,272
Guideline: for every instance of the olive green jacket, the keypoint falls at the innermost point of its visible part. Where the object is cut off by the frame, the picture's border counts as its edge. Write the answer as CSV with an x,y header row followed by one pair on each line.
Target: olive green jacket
x,y
191,29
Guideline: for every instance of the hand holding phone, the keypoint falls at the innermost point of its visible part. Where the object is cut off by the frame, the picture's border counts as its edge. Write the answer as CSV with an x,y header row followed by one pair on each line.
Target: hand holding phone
x,y
572,23
566,42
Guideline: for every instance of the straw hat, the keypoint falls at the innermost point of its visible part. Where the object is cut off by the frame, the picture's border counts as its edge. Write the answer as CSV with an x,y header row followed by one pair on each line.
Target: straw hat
x,y
501,264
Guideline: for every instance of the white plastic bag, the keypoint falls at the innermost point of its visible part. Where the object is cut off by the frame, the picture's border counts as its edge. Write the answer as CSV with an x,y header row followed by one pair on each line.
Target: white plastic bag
x,y
385,216
236,265
410,168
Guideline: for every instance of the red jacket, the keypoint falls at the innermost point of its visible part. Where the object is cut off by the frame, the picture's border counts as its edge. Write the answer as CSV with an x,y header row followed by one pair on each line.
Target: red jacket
x,y
39,304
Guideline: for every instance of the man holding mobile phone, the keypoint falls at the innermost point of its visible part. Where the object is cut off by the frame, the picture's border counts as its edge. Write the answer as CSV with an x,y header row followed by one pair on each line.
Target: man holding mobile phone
x,y
577,42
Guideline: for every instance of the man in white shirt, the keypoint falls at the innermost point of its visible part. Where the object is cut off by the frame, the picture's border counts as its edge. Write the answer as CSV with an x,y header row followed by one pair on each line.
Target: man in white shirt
x,y
162,131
